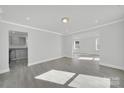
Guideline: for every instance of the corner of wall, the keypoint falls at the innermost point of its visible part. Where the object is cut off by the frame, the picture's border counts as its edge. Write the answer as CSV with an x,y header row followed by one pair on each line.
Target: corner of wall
x,y
42,61
111,66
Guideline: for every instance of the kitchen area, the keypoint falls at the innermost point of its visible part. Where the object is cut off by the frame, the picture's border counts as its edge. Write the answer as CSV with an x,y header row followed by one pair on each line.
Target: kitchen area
x,y
18,49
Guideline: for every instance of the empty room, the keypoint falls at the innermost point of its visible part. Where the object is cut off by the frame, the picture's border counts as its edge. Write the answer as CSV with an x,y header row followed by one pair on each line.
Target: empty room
x,y
61,46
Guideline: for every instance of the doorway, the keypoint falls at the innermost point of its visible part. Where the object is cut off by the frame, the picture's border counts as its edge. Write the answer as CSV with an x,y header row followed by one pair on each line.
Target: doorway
x,y
18,49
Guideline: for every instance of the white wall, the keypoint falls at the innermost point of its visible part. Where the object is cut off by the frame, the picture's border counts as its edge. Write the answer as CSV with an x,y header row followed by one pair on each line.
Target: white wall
x,y
67,46
111,40
42,46
112,45
88,45
69,41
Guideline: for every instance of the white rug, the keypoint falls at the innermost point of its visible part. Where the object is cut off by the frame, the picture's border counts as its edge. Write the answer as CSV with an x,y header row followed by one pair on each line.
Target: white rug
x,y
87,81
56,76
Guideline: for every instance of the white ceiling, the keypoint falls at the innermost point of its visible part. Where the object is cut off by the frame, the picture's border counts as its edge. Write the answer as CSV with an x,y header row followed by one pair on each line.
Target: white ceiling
x,y
49,17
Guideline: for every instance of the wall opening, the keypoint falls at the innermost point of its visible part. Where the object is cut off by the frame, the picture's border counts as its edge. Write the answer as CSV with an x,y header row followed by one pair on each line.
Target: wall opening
x,y
18,49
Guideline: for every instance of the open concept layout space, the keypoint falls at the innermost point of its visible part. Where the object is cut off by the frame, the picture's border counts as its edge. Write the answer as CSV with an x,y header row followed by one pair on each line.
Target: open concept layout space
x,y
61,46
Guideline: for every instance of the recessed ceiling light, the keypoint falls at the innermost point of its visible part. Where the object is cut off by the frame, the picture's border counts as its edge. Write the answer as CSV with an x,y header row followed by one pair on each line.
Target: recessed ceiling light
x,y
65,19
28,18
96,21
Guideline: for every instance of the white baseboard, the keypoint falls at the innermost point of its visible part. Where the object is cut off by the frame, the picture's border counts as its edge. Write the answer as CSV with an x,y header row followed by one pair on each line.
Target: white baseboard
x,y
68,56
4,70
107,65
112,66
38,62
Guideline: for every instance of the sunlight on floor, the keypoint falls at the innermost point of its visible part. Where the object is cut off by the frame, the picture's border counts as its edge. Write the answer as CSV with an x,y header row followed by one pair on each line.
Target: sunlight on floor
x,y
80,81
89,58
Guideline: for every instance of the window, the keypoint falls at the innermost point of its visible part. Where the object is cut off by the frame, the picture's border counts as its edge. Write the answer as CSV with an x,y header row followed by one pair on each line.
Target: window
x,y
97,44
76,44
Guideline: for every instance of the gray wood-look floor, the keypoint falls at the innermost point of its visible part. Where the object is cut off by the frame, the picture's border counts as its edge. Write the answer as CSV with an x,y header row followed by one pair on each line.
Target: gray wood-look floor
x,y
21,76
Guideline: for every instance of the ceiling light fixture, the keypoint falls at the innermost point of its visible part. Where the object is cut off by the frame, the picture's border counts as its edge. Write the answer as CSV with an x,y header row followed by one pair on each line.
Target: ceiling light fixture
x,y
65,19
96,21
28,18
